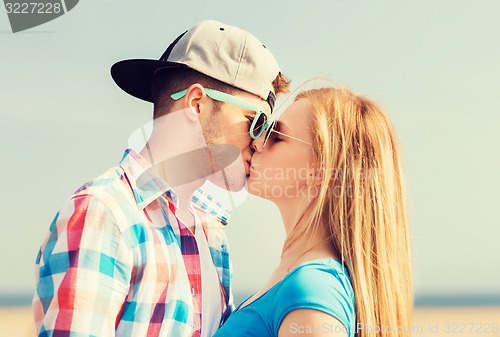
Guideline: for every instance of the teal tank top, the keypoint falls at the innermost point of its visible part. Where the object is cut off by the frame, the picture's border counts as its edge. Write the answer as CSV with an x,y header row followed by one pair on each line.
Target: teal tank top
x,y
321,284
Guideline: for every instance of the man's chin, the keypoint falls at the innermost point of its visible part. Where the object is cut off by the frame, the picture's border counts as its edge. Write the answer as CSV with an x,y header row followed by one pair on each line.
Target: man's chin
x,y
227,181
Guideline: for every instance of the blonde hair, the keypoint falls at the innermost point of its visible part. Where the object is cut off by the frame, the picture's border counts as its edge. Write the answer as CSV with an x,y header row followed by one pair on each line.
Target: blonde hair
x,y
361,205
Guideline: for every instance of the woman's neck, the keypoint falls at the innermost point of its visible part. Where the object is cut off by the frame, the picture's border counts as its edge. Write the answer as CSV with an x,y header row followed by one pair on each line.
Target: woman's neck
x,y
305,247
291,210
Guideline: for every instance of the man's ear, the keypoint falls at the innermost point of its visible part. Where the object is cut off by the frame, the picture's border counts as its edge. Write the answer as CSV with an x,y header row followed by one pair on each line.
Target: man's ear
x,y
195,97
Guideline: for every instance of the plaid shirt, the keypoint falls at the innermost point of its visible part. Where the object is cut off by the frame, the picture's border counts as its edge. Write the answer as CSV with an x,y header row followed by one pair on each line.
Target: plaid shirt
x,y
117,262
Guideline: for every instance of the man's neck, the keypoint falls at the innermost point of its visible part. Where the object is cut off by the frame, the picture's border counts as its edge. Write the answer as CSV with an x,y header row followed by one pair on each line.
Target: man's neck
x,y
173,134
185,195
178,152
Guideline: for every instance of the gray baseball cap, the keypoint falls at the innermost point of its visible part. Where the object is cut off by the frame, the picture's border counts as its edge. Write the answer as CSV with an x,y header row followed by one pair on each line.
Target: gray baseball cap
x,y
226,53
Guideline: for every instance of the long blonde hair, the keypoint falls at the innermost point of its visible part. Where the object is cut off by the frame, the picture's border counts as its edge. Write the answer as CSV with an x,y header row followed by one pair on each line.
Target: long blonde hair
x,y
361,206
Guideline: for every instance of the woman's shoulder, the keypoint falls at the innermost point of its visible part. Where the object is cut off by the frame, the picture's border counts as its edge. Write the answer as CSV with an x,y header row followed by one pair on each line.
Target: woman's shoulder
x,y
324,277
323,285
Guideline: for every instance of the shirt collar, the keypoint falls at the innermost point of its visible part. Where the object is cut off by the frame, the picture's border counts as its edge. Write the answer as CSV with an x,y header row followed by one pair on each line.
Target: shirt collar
x,y
146,183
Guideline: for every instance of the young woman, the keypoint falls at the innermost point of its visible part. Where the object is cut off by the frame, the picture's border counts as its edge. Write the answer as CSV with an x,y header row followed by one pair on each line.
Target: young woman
x,y
332,165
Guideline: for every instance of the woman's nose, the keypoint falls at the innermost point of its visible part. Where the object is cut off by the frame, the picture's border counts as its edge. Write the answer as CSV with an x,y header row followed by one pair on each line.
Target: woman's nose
x,y
257,144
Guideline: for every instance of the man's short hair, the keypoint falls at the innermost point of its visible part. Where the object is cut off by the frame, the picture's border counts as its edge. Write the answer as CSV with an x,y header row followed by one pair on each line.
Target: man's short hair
x,y
171,80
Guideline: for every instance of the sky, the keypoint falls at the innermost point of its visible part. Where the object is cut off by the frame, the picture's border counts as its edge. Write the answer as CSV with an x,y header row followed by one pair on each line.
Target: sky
x,y
434,66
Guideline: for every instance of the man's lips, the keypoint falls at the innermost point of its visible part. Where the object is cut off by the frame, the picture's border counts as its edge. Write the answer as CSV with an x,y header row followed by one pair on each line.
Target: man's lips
x,y
252,166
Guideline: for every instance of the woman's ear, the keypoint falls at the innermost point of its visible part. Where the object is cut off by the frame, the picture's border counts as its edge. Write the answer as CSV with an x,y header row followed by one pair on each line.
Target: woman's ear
x,y
315,176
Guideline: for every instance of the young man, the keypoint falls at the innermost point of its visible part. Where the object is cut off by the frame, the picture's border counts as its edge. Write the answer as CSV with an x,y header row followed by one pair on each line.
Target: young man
x,y
129,255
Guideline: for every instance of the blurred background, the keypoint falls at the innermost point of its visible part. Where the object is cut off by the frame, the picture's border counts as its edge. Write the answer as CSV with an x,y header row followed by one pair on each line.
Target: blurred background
x,y
434,66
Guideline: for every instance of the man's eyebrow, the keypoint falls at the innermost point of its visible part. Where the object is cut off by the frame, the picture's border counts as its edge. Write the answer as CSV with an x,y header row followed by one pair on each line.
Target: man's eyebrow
x,y
250,114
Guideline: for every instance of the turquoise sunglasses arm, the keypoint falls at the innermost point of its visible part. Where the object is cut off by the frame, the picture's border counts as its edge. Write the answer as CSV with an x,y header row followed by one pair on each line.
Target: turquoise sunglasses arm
x,y
220,96
223,97
178,95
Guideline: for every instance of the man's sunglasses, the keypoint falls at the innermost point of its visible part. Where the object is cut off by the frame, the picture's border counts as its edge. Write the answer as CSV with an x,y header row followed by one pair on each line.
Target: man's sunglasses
x,y
259,123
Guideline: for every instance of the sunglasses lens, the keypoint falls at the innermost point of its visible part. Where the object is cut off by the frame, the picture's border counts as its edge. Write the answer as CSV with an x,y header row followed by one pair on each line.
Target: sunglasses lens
x,y
268,133
258,125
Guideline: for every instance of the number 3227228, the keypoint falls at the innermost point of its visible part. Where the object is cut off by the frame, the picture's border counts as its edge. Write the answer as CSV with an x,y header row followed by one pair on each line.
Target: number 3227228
x,y
33,8
470,328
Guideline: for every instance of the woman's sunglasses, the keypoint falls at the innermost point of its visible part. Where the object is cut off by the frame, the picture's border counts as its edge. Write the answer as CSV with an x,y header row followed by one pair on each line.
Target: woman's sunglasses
x,y
272,129
259,123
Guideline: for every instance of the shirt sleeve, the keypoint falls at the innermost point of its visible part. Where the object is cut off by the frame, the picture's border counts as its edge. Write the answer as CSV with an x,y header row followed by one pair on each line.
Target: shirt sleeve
x,y
312,288
231,297
82,272
227,280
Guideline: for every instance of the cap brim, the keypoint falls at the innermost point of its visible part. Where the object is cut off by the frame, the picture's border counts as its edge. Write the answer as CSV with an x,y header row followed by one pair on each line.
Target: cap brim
x,y
136,76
